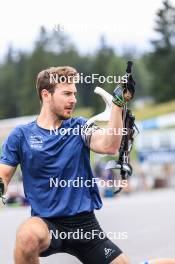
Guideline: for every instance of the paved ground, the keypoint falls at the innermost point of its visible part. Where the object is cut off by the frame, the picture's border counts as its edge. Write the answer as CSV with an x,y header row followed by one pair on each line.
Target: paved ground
x,y
148,219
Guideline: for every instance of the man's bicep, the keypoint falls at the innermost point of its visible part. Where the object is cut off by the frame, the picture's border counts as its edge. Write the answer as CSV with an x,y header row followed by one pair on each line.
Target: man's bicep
x,y
6,172
92,137
96,142
99,144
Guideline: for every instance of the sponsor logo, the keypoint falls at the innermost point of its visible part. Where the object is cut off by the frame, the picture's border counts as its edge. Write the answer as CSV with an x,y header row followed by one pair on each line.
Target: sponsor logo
x,y
108,252
36,142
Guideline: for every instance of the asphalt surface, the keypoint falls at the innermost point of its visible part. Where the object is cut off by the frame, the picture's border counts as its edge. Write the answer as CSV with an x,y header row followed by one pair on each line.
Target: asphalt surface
x,y
148,219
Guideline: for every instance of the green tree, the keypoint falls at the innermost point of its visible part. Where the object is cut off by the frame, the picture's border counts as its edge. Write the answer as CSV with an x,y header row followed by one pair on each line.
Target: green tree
x,y
106,63
19,70
161,61
8,86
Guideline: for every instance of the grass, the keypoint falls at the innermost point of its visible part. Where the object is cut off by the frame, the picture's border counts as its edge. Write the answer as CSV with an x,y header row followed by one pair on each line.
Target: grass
x,y
147,112
151,111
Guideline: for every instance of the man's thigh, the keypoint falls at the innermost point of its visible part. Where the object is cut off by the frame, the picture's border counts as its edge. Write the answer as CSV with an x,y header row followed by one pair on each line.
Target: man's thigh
x,y
98,251
56,244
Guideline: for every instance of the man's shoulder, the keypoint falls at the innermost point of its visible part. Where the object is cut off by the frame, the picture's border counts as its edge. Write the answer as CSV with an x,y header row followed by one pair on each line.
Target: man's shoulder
x,y
22,128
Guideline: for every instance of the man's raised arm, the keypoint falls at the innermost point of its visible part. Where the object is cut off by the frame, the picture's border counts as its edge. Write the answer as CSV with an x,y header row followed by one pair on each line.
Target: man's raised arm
x,y
107,141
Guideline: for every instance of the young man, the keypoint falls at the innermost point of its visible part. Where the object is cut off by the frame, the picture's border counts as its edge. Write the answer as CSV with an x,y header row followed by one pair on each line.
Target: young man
x,y
46,157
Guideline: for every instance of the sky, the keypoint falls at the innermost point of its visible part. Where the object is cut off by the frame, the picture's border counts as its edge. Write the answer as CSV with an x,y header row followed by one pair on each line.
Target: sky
x,y
124,23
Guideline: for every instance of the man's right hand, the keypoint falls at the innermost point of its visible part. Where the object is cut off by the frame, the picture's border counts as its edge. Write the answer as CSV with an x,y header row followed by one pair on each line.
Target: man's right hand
x,y
6,173
2,187
123,93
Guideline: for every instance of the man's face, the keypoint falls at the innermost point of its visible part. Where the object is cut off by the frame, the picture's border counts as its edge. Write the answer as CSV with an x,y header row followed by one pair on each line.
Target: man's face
x,y
62,102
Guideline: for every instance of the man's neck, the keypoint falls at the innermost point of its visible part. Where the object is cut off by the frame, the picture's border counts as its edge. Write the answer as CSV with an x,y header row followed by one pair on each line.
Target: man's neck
x,y
48,120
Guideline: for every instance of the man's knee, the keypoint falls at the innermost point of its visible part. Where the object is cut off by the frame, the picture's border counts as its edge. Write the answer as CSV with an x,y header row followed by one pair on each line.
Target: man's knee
x,y
27,241
121,259
32,236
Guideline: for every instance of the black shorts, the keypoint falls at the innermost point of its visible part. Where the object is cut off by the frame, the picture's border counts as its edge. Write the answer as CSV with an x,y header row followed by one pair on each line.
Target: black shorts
x,y
82,237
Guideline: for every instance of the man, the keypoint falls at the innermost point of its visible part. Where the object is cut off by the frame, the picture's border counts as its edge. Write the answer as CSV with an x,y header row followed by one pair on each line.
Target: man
x,y
47,157
43,156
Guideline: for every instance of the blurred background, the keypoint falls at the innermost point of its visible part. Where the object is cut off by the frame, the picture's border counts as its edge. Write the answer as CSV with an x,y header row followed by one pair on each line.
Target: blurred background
x,y
154,60
96,37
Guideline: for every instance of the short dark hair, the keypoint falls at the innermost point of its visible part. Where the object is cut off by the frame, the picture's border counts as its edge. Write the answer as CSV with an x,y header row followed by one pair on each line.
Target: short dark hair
x,y
43,78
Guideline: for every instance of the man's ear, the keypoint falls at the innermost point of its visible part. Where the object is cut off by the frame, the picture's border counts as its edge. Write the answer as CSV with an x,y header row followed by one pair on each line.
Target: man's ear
x,y
45,95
